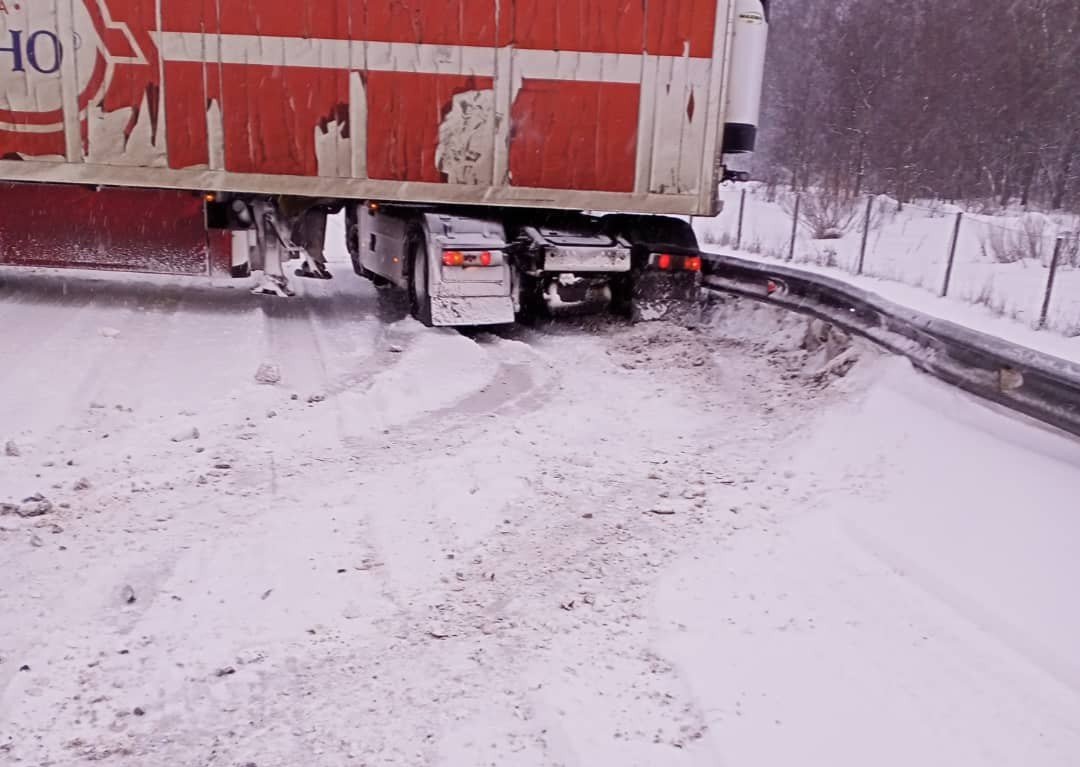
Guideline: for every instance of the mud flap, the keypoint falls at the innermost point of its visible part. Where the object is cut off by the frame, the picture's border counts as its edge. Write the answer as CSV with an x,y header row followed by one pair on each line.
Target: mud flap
x,y
457,311
155,231
670,296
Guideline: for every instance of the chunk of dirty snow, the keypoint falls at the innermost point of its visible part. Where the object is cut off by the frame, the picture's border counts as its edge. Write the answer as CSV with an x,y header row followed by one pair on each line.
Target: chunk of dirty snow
x,y
11,450
662,511
82,484
128,595
35,506
186,435
110,332
268,374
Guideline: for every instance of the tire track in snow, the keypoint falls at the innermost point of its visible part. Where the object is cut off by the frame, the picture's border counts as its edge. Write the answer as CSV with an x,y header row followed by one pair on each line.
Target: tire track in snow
x,y
31,320
572,432
57,372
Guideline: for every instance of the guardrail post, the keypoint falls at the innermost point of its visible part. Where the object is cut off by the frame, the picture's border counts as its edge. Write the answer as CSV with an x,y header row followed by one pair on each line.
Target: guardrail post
x,y
1058,247
794,228
865,233
742,212
952,255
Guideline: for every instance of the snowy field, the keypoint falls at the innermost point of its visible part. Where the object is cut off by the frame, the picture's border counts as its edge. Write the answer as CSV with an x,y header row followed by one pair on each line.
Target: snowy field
x,y
578,544
1000,273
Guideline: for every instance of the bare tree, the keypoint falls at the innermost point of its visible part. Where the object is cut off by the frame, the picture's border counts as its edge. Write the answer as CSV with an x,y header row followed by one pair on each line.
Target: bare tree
x,y
971,99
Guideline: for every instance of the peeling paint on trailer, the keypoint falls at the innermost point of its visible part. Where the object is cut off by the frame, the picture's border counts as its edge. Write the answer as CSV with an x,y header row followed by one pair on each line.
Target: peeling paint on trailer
x,y
466,152
492,101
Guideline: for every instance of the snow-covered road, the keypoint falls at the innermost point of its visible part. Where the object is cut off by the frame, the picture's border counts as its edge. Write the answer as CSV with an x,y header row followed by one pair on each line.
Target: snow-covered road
x,y
581,544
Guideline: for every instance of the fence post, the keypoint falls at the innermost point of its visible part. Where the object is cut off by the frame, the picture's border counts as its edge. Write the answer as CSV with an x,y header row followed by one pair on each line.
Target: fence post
x,y
742,211
1058,247
865,233
952,255
794,228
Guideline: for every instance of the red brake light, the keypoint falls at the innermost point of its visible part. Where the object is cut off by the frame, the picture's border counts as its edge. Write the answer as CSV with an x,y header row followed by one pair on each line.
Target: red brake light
x,y
664,261
692,264
469,258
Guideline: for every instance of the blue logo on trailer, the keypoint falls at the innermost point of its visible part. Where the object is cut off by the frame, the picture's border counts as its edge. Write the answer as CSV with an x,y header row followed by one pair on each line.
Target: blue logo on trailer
x,y
40,50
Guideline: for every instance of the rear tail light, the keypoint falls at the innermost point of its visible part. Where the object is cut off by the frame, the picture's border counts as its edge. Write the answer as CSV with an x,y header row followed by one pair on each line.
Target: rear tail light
x,y
468,258
666,261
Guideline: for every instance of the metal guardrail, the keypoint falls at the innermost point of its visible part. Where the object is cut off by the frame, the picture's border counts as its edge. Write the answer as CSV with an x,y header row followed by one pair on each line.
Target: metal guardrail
x,y
1038,385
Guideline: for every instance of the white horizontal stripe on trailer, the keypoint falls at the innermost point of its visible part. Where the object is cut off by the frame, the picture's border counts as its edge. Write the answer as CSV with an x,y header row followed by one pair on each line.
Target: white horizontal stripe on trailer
x,y
422,58
578,65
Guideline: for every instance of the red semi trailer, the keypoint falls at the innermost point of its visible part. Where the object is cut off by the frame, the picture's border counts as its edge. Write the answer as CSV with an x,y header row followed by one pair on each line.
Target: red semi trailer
x,y
463,138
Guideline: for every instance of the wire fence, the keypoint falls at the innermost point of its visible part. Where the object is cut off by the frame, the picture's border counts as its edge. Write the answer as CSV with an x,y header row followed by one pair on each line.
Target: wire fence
x,y
1024,266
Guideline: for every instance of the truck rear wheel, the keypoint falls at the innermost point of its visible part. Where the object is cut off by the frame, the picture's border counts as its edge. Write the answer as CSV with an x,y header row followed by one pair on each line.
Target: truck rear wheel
x,y
533,308
623,287
352,239
419,287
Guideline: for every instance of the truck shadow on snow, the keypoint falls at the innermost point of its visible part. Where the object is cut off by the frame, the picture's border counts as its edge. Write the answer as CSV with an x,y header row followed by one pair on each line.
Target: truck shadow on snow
x,y
153,293
342,300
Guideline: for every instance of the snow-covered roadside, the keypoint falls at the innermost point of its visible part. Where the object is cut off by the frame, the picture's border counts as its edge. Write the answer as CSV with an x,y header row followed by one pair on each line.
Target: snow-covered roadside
x,y
906,262
422,549
909,602
973,316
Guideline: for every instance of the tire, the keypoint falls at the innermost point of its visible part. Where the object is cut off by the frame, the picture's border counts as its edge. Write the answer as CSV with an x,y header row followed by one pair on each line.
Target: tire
x,y
533,306
622,294
352,239
419,287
